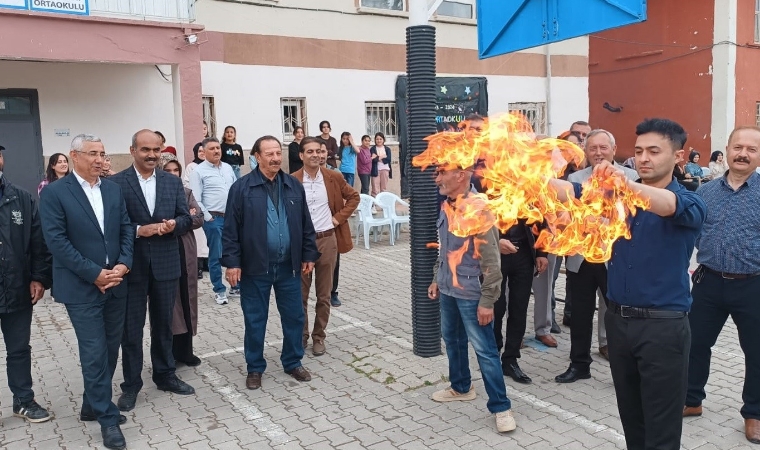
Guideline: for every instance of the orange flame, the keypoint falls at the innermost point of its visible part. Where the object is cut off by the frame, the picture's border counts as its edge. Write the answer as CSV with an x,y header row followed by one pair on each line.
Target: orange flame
x,y
516,169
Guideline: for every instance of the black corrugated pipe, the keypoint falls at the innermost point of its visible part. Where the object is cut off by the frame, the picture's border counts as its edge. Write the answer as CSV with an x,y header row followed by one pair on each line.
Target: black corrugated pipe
x,y
420,68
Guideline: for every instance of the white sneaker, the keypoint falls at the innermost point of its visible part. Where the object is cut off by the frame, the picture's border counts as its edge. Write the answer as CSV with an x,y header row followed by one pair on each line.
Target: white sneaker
x,y
505,421
221,299
450,395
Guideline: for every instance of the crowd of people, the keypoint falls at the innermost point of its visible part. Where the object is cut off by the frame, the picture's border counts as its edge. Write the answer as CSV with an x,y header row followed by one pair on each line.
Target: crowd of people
x,y
117,247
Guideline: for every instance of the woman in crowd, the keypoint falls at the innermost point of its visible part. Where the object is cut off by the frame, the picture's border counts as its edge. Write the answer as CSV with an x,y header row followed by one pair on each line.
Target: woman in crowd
x,y
381,165
364,164
575,138
57,168
683,177
348,152
693,168
333,158
200,236
106,170
294,151
232,152
718,165
185,317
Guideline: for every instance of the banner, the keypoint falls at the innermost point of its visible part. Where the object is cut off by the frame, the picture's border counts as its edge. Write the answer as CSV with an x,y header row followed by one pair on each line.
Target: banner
x,y
456,98
80,7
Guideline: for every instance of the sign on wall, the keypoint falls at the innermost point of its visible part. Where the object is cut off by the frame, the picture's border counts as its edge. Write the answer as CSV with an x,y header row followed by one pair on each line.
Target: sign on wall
x,y
81,7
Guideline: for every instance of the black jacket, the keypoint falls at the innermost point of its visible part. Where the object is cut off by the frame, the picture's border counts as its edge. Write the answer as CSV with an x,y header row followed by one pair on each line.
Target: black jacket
x,y
24,257
531,237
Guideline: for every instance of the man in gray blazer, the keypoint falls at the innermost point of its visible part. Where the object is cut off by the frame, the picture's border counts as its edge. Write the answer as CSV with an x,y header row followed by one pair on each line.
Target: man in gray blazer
x,y
585,278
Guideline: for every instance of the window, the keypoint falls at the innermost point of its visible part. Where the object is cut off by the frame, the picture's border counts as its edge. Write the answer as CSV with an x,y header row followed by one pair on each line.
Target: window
x,y
395,5
757,21
463,9
381,117
209,114
534,112
293,115
757,114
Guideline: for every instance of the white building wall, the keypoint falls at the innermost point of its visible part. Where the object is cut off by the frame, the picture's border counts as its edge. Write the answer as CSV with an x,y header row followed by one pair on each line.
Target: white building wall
x,y
109,100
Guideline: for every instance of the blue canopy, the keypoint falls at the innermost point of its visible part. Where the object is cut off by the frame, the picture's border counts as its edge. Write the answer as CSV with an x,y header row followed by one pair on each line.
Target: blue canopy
x,y
505,26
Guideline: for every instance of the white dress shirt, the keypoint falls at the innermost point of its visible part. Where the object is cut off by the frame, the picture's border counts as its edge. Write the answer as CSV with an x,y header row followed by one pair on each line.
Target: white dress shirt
x,y
148,187
316,198
93,194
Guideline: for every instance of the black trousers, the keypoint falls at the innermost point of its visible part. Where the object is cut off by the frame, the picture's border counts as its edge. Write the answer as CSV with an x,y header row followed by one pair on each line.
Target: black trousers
x,y
649,362
715,298
517,273
16,327
160,309
336,273
584,284
567,312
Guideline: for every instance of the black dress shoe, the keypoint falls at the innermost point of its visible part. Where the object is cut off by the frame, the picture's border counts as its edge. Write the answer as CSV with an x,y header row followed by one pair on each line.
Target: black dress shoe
x,y
191,361
112,438
555,327
127,401
89,416
513,370
174,384
572,375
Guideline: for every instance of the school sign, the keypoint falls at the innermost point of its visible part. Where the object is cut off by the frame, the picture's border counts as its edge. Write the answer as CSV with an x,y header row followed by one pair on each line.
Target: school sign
x,y
79,7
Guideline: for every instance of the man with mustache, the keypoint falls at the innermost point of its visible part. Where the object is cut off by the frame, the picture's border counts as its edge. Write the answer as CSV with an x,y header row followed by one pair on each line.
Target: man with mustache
x,y
727,280
269,242
158,210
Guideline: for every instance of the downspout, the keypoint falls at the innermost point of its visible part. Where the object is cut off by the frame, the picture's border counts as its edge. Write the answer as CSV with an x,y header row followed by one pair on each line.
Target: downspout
x,y
548,58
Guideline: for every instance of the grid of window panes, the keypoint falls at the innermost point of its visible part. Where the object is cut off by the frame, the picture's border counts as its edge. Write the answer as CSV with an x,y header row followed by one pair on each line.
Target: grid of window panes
x,y
534,112
293,115
463,9
395,5
381,117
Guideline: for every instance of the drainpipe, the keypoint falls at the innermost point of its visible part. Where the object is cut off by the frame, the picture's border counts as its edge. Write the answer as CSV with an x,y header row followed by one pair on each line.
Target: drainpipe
x,y
548,57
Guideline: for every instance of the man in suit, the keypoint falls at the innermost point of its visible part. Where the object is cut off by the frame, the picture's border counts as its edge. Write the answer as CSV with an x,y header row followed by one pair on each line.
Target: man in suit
x,y
88,232
331,201
158,210
585,278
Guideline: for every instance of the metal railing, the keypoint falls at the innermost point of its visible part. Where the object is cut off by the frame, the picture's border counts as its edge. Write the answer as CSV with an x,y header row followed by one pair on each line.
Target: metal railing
x,y
155,10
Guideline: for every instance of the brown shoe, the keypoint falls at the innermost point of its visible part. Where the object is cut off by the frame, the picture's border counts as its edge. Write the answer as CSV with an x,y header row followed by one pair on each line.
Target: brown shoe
x,y
548,340
605,352
253,380
300,374
752,430
318,349
692,411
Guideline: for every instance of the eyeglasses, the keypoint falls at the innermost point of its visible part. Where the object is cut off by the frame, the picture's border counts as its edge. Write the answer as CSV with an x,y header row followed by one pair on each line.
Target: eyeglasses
x,y
93,155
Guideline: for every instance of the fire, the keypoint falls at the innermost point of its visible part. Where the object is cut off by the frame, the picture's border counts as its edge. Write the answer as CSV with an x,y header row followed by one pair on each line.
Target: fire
x,y
516,169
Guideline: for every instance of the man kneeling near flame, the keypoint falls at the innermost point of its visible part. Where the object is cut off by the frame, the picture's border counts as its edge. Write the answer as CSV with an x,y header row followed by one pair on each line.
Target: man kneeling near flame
x,y
467,302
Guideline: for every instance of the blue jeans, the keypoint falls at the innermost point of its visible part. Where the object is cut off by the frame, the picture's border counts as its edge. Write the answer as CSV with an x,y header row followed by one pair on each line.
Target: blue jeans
x,y
254,299
236,170
213,230
349,177
459,323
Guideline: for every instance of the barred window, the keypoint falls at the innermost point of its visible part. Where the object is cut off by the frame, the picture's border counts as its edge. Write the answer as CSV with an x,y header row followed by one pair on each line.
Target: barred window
x,y
534,112
293,115
395,5
209,114
757,114
381,117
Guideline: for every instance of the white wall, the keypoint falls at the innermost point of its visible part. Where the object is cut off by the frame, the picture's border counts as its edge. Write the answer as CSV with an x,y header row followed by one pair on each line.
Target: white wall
x,y
109,100
248,97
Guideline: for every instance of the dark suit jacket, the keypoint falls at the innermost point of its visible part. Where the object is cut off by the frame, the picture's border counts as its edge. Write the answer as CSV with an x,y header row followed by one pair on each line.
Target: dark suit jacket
x,y
74,238
159,254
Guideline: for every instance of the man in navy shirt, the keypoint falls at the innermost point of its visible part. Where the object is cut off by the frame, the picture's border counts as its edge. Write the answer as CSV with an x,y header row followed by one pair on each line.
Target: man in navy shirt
x,y
727,280
648,290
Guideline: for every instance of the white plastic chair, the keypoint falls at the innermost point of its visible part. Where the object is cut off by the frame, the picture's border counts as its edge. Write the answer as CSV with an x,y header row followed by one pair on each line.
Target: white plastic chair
x,y
388,202
368,222
705,172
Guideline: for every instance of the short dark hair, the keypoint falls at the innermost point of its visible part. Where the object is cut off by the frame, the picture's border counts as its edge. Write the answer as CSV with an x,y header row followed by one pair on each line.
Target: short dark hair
x,y
381,135
161,135
666,128
257,145
309,140
207,140
2,148
323,123
693,155
715,154
366,136
582,123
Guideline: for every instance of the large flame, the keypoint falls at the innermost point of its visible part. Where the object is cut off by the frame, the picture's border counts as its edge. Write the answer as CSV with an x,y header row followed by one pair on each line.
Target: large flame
x,y
516,169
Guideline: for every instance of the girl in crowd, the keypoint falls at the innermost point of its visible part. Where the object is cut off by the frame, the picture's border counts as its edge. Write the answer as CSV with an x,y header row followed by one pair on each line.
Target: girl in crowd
x,y
684,177
185,317
693,168
364,164
232,152
57,168
294,151
348,152
718,165
333,158
381,165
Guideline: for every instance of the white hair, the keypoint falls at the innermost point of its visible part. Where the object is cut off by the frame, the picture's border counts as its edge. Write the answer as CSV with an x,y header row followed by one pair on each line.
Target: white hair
x,y
77,144
593,133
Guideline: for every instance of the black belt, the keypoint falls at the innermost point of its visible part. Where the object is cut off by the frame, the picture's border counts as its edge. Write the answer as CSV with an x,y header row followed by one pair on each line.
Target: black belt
x,y
107,266
321,234
216,214
732,276
632,312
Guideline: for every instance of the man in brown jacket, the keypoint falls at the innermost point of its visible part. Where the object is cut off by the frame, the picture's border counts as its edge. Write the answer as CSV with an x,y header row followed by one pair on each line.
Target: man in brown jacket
x,y
331,201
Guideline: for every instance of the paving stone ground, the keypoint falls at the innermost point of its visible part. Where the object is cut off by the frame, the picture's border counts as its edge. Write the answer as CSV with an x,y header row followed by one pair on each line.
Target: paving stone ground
x,y
368,392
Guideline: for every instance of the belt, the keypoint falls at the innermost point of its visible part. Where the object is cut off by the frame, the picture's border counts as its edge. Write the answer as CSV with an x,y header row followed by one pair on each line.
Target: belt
x,y
631,312
216,213
323,234
731,276
108,266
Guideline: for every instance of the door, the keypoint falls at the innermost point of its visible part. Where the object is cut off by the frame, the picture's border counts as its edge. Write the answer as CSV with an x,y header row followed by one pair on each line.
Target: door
x,y
20,135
